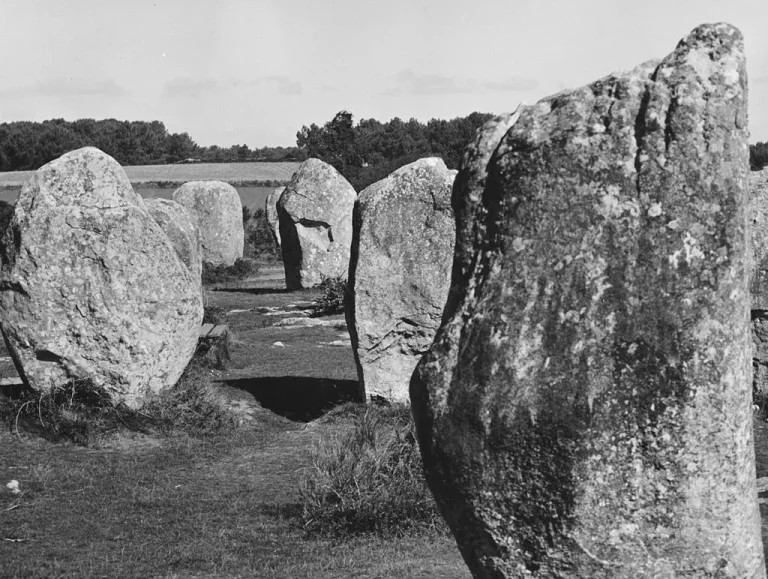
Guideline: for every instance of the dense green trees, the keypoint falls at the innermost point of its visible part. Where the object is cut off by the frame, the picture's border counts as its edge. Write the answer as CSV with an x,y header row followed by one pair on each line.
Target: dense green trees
x,y
28,145
364,152
371,150
758,156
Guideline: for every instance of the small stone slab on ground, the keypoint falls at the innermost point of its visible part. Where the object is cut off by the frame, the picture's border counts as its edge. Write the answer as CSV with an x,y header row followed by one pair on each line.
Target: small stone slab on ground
x,y
297,322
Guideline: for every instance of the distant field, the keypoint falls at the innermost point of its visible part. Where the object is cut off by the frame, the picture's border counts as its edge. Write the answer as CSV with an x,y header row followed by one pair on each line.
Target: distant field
x,y
229,172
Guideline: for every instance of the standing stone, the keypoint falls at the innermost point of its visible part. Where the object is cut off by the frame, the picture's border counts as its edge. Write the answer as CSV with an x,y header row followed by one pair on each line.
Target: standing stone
x,y
315,213
182,230
585,410
216,206
91,288
758,185
399,274
270,209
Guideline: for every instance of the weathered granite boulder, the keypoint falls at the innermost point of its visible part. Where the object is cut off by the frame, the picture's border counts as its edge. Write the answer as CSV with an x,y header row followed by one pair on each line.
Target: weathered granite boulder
x,y
216,206
270,209
182,230
91,288
585,410
399,274
758,185
315,213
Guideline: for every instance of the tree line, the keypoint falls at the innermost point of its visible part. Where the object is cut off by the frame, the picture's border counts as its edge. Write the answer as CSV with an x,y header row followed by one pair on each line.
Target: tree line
x,y
27,145
364,152
370,150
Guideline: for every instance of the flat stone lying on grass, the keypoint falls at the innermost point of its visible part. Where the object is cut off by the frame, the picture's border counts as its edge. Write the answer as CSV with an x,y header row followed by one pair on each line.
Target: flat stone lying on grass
x,y
307,323
91,288
585,410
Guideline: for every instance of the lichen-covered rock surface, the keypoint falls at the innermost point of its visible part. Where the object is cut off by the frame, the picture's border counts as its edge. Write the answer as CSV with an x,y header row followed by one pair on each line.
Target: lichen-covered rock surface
x,y
585,410
315,213
91,288
758,187
181,228
270,209
219,213
400,271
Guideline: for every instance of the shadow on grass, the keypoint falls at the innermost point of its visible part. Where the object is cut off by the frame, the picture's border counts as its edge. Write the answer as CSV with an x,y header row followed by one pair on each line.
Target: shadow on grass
x,y
299,398
257,291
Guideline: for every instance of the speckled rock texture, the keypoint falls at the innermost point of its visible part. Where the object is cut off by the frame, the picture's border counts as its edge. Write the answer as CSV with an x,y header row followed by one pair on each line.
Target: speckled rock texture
x,y
758,186
585,410
181,228
270,209
216,206
91,288
315,213
399,274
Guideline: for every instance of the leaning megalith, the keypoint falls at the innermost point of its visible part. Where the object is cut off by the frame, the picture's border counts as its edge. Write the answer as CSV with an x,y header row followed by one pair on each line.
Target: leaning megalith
x,y
182,229
219,213
315,213
399,274
91,288
758,185
585,409
270,210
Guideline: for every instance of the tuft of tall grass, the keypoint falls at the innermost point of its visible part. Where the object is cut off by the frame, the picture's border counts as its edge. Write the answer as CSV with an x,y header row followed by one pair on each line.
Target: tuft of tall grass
x,y
368,478
76,411
192,405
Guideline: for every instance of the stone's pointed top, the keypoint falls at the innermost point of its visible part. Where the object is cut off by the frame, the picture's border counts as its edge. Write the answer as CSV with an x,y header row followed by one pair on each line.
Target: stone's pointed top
x,y
719,34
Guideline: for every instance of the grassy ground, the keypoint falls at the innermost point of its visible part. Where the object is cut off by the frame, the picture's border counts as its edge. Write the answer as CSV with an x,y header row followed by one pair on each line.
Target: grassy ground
x,y
225,506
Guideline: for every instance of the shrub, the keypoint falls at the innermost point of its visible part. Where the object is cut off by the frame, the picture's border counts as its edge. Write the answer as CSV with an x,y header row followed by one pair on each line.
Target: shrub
x,y
81,413
368,479
241,269
6,214
258,237
332,301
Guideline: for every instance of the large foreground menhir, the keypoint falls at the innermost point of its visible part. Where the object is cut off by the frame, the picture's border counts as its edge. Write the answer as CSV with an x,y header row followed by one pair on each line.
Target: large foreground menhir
x,y
585,410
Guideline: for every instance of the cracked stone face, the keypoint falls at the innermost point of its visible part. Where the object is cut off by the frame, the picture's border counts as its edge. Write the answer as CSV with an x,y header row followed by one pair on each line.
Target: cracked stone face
x,y
400,271
585,409
91,288
315,225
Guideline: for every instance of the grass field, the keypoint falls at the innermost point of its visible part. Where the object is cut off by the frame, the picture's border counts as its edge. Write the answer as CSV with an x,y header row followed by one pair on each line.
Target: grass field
x,y
221,506
241,173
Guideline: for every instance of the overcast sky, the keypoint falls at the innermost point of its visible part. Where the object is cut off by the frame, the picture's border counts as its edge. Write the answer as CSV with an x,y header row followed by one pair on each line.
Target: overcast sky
x,y
235,71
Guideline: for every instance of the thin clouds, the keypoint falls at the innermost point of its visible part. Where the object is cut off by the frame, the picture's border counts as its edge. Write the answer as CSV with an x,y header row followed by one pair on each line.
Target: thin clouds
x,y
409,82
196,87
190,87
58,87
